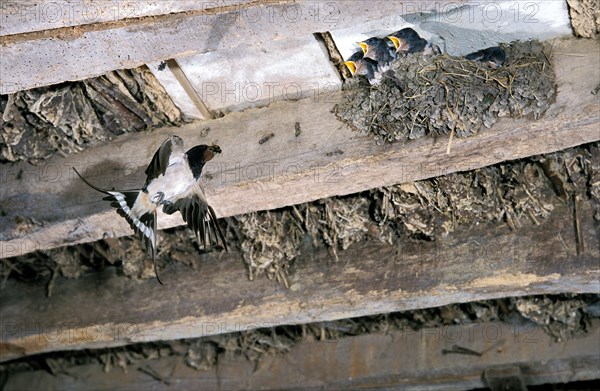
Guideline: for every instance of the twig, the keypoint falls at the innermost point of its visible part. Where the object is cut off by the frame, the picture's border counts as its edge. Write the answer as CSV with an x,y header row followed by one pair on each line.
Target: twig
x,y
460,350
152,373
453,119
578,233
570,54
50,285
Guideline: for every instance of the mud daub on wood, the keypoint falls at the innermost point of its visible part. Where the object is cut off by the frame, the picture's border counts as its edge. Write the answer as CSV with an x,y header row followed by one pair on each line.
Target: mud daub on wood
x,y
72,116
561,316
429,95
519,194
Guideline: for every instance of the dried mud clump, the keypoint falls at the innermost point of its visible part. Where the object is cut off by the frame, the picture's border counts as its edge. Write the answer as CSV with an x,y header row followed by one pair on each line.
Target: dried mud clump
x,y
520,193
127,254
424,95
271,240
72,116
561,318
594,179
585,17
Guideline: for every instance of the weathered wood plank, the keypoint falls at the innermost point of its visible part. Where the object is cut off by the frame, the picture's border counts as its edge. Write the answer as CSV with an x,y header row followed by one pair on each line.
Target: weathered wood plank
x,y
324,160
189,106
288,70
92,50
401,359
20,17
216,297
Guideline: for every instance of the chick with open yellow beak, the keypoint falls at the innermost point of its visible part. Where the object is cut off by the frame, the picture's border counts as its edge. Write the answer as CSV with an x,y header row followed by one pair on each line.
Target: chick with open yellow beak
x,y
407,40
358,65
378,49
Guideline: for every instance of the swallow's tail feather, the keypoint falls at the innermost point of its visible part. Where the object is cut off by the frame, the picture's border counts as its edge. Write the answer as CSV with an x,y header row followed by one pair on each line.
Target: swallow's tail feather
x,y
122,200
144,225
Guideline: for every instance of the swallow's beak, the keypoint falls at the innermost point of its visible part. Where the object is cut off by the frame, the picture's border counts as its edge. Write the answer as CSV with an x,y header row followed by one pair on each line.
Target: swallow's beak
x,y
492,65
364,47
395,41
215,149
351,66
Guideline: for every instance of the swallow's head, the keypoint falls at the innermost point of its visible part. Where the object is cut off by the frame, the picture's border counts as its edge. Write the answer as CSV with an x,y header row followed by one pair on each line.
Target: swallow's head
x,y
408,34
351,67
362,66
356,56
198,156
373,47
495,57
215,149
400,44
353,61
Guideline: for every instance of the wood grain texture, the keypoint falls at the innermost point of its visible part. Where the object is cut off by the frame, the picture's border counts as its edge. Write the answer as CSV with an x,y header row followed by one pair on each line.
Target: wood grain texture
x,y
216,297
20,17
47,206
92,50
399,359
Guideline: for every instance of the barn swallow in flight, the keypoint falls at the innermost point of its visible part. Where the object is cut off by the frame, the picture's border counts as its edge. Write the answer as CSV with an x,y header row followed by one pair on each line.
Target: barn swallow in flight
x,y
379,50
172,182
407,40
492,57
360,65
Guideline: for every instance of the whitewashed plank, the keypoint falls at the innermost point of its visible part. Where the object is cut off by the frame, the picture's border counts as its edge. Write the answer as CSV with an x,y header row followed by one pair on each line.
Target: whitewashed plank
x,y
58,56
244,77
177,93
464,28
18,16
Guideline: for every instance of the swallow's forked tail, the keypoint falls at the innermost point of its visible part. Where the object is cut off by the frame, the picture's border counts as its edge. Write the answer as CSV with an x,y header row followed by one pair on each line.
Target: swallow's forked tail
x,y
144,226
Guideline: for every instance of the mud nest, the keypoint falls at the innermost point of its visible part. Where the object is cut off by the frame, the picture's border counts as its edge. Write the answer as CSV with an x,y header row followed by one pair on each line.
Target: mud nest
x,y
423,95
69,117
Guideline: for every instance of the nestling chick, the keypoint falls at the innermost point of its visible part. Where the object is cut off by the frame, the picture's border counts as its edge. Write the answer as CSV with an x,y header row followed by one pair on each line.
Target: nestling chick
x,y
492,57
378,49
407,41
362,66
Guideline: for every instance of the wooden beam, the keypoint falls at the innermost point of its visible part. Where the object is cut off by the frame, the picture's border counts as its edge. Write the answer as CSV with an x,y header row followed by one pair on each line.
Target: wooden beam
x,y
50,57
371,277
400,359
47,206
19,17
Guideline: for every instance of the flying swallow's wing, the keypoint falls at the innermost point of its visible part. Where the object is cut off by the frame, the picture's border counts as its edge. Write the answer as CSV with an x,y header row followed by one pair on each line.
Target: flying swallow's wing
x,y
199,216
170,151
144,226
